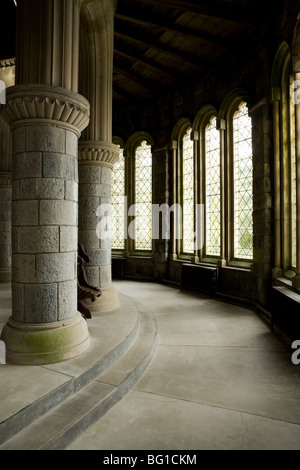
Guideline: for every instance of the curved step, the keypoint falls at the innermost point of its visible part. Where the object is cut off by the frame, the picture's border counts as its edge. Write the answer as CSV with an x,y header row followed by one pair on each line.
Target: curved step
x,y
27,392
63,423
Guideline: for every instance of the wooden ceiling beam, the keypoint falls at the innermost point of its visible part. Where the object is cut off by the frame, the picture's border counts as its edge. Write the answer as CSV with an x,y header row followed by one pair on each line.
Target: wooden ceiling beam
x,y
123,93
145,61
133,76
174,28
214,8
153,44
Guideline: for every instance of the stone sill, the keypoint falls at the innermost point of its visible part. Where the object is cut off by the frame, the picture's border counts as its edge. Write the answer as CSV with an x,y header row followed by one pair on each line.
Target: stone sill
x,y
282,281
133,256
288,293
237,268
232,266
142,256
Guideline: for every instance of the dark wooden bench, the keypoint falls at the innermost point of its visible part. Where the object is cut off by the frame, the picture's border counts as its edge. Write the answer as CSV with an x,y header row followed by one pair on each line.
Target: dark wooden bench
x,y
199,277
84,289
285,310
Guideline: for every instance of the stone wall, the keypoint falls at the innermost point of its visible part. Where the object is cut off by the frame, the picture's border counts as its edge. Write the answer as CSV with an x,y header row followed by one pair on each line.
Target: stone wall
x,y
5,227
249,69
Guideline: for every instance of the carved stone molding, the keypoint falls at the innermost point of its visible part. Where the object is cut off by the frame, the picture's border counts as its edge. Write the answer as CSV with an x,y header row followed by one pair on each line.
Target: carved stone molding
x,y
40,104
98,153
5,179
7,62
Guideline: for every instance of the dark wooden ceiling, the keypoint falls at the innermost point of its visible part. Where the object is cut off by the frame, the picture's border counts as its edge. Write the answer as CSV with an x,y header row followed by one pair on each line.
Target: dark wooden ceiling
x,y
162,45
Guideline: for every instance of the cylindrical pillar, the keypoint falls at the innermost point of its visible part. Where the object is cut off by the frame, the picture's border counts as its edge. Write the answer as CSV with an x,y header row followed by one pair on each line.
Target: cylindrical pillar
x,y
296,279
7,76
46,121
277,270
221,125
97,154
5,227
95,170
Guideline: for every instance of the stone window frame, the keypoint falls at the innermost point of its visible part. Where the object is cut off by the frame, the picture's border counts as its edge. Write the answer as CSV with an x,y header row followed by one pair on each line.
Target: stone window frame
x,y
129,151
179,131
225,126
234,100
118,141
204,116
282,73
224,117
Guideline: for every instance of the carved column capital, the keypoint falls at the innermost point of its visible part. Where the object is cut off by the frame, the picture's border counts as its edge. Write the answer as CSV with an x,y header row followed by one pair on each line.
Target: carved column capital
x,y
7,71
42,105
5,179
98,153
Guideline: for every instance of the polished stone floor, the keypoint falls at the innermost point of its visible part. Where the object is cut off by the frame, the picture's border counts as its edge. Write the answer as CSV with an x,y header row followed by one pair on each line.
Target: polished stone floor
x,y
219,380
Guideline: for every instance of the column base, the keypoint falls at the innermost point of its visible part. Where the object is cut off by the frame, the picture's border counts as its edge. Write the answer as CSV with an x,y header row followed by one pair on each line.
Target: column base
x,y
222,263
276,272
108,301
296,281
45,343
5,275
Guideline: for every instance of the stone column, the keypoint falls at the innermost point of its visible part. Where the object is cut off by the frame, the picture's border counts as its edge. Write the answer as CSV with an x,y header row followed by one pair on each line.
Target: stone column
x,y
263,190
97,153
160,158
276,96
95,170
176,222
46,116
5,227
7,76
198,222
296,279
221,126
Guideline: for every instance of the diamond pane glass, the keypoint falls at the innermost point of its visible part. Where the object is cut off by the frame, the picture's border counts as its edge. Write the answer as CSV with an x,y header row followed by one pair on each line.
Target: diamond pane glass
x,y
188,193
212,189
118,204
143,197
243,184
293,178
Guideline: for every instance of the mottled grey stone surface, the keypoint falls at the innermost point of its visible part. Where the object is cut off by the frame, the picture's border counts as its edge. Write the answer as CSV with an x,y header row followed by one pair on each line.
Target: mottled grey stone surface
x,y
45,224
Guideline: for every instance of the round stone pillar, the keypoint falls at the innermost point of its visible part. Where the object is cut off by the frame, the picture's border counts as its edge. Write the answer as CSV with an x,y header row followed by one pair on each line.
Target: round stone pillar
x,y
46,116
7,76
45,325
97,154
5,227
96,160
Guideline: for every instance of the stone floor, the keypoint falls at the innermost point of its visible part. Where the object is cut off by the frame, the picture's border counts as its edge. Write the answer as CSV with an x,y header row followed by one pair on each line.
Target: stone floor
x,y
219,380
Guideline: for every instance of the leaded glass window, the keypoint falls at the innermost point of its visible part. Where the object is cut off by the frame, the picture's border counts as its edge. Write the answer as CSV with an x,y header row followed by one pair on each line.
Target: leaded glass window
x,y
242,184
212,189
293,177
143,197
188,192
118,204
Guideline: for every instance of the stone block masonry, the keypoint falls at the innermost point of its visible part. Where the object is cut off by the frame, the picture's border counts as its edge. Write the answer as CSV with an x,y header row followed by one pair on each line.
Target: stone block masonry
x,y
5,227
45,217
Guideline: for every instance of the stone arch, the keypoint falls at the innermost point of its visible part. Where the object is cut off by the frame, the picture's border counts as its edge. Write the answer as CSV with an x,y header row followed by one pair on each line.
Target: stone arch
x,y
203,116
281,58
180,128
135,139
295,48
231,101
96,66
118,141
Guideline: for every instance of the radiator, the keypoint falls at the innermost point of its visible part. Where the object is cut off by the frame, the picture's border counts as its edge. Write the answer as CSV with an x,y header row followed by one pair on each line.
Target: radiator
x,y
285,309
199,277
